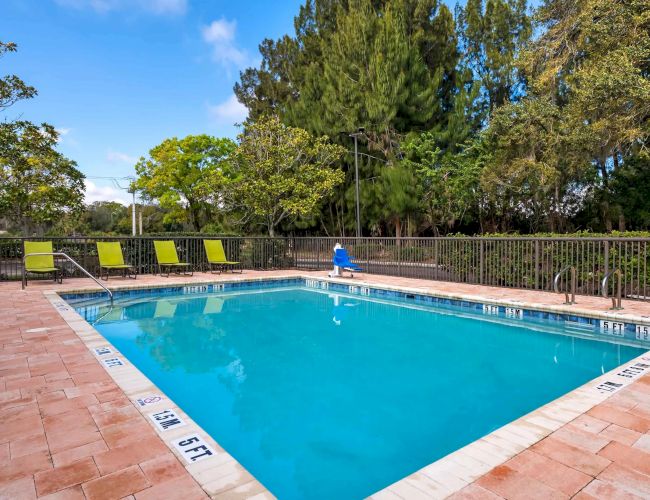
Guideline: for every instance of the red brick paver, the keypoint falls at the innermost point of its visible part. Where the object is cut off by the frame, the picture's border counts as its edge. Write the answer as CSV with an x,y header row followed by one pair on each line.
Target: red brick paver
x,y
567,461
68,431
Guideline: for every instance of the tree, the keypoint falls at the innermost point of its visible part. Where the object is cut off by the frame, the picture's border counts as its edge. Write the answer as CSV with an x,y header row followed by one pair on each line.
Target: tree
x,y
188,177
389,66
267,89
12,88
529,174
282,172
103,216
38,185
593,61
492,37
400,194
449,183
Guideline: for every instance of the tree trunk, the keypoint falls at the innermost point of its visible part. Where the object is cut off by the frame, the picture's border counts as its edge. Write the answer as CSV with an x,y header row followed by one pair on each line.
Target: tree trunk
x,y
607,218
602,164
194,216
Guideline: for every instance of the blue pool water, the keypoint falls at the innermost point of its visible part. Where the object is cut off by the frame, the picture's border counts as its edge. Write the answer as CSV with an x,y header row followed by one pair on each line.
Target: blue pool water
x,y
323,395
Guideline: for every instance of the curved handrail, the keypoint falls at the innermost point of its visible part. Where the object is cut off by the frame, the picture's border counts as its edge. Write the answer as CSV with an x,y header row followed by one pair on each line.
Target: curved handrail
x,y
66,256
616,301
556,284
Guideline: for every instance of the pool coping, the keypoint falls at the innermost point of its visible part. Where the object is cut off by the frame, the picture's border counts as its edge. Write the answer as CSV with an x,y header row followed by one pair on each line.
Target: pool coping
x,y
221,473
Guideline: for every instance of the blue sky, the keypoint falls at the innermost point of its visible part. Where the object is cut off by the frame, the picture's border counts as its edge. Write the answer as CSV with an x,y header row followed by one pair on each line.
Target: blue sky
x,y
116,77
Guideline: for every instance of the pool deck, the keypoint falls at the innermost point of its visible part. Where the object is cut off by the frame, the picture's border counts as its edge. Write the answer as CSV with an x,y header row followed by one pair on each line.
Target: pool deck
x,y
71,431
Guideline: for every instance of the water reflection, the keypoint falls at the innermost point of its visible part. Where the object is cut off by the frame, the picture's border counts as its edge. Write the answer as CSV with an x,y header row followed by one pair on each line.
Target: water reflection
x,y
341,306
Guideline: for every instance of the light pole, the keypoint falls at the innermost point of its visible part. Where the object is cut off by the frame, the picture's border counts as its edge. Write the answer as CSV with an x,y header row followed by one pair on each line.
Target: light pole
x,y
133,215
360,131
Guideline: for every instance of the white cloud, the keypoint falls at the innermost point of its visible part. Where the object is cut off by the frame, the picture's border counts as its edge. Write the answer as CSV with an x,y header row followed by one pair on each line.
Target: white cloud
x,y
152,6
62,131
220,31
220,35
167,6
105,193
228,112
117,157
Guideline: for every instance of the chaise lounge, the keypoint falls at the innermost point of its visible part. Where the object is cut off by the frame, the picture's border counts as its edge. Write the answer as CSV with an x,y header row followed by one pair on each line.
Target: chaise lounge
x,y
167,258
111,258
40,264
217,257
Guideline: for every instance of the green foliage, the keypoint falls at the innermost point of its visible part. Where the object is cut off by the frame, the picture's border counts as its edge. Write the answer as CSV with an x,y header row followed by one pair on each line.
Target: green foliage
x,y
569,152
399,191
449,184
492,36
282,172
104,216
188,177
12,88
374,74
38,185
593,61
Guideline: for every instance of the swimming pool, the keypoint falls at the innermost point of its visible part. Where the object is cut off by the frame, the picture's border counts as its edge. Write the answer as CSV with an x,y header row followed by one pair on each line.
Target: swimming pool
x,y
325,391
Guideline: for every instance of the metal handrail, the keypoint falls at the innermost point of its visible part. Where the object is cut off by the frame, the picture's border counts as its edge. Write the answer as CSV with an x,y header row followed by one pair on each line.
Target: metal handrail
x,y
616,301
556,284
66,256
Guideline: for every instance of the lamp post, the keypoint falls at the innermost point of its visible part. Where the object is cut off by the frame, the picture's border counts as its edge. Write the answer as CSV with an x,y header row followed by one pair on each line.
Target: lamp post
x,y
360,131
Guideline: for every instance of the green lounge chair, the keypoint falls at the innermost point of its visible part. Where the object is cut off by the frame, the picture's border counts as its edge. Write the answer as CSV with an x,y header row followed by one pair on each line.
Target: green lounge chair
x,y
168,258
217,257
41,264
112,259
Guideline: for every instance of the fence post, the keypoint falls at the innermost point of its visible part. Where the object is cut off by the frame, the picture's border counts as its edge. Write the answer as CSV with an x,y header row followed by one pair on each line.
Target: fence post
x,y
398,247
435,258
606,258
140,270
536,263
85,256
481,261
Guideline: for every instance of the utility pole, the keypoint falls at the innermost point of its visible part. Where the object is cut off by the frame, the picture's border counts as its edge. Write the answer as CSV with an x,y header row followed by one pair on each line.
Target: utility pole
x,y
133,213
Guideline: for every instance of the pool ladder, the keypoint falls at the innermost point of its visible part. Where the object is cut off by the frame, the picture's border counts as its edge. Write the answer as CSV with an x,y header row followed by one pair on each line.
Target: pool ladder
x,y
571,290
616,300
74,262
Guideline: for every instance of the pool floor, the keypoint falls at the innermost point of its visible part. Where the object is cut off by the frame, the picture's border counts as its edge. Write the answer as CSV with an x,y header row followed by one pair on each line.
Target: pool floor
x,y
325,395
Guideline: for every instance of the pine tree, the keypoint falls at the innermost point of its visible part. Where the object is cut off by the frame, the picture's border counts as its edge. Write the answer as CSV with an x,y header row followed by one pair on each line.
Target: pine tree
x,y
492,36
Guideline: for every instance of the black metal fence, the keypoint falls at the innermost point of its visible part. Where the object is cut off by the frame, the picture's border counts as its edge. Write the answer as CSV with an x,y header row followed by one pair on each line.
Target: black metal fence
x,y
518,262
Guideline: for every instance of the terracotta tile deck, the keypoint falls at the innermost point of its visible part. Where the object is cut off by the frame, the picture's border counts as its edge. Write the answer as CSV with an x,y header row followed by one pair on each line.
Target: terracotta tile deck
x,y
69,431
